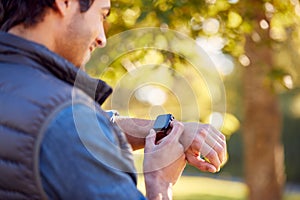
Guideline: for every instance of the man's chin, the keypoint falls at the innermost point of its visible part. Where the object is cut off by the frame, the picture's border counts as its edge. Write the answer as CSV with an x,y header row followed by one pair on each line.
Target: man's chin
x,y
85,61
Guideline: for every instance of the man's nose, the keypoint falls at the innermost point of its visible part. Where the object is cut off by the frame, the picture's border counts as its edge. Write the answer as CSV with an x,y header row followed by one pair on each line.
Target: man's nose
x,y
101,40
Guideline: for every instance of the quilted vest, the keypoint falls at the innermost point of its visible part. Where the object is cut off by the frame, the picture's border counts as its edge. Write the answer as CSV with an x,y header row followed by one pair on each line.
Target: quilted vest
x,y
35,83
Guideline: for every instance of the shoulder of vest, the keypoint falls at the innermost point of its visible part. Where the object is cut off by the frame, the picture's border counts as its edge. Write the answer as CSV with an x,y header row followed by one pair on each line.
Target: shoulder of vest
x,y
29,100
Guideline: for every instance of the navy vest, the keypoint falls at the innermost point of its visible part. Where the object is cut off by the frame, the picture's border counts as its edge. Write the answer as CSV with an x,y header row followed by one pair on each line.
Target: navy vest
x,y
34,84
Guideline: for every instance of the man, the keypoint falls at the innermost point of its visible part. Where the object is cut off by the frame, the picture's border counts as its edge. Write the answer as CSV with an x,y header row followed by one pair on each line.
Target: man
x,y
55,141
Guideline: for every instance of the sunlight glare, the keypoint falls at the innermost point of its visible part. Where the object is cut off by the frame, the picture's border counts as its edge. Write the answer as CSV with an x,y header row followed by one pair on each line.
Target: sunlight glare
x,y
233,1
244,60
213,47
288,81
151,94
211,26
216,119
264,24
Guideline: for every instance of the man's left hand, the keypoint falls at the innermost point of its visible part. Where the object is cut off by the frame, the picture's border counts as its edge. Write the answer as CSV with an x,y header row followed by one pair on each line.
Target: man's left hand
x,y
205,146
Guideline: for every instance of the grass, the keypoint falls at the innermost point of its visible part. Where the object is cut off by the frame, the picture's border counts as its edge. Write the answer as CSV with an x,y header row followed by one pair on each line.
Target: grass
x,y
194,188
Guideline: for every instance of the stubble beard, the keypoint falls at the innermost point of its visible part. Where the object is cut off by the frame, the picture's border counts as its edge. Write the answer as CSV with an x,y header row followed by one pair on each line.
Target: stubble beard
x,y
73,46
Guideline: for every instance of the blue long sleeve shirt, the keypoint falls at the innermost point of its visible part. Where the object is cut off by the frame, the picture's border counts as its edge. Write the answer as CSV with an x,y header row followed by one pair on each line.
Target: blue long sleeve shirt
x,y
71,170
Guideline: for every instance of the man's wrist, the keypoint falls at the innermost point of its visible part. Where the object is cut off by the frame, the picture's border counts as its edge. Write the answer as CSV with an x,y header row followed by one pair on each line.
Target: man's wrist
x,y
156,187
189,134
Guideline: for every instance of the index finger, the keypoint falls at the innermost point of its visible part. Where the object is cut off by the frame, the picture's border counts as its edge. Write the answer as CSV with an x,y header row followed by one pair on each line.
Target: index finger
x,y
175,133
177,129
216,140
221,139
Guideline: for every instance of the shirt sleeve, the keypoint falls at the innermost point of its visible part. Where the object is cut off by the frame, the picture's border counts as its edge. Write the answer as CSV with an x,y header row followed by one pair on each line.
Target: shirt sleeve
x,y
69,170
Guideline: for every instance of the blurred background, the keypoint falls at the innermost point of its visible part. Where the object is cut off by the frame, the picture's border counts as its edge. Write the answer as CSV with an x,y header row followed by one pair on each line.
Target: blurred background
x,y
231,63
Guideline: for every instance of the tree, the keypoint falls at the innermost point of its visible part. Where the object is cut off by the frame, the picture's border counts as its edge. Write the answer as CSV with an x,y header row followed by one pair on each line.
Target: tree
x,y
263,149
264,160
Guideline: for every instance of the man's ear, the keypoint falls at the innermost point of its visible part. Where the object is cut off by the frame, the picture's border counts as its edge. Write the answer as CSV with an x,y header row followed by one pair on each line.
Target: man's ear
x,y
63,6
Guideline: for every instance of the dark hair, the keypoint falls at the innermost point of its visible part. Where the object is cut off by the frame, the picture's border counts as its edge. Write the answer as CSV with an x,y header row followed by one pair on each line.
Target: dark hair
x,y
28,12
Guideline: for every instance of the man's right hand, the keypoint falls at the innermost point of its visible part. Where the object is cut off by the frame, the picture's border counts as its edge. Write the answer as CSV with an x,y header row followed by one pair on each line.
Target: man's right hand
x,y
163,162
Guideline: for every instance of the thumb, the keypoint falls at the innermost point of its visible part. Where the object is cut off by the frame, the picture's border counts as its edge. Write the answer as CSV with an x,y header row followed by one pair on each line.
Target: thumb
x,y
150,140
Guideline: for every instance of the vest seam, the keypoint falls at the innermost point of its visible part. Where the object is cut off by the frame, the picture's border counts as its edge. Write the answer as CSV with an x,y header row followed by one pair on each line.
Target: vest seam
x,y
10,162
18,131
13,191
16,164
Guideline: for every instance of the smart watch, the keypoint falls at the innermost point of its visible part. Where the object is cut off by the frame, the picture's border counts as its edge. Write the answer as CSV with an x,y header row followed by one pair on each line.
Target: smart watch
x,y
162,125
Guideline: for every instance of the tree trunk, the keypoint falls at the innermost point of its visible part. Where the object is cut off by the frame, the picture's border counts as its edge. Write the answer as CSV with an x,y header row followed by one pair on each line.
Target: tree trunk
x,y
263,151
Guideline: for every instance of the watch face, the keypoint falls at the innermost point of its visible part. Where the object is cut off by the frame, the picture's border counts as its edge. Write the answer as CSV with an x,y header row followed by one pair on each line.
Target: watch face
x,y
162,122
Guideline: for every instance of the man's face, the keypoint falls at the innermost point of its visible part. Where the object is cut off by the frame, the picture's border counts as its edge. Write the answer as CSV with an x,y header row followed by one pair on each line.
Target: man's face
x,y
83,33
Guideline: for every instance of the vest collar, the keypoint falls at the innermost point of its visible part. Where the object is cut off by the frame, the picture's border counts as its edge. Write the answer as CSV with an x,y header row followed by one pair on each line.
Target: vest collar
x,y
14,49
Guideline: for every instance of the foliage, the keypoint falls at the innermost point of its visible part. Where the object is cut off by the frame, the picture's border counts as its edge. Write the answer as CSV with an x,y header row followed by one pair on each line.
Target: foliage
x,y
233,20
230,21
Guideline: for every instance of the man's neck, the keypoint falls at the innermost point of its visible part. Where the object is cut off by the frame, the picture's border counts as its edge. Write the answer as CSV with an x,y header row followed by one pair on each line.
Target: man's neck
x,y
36,34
